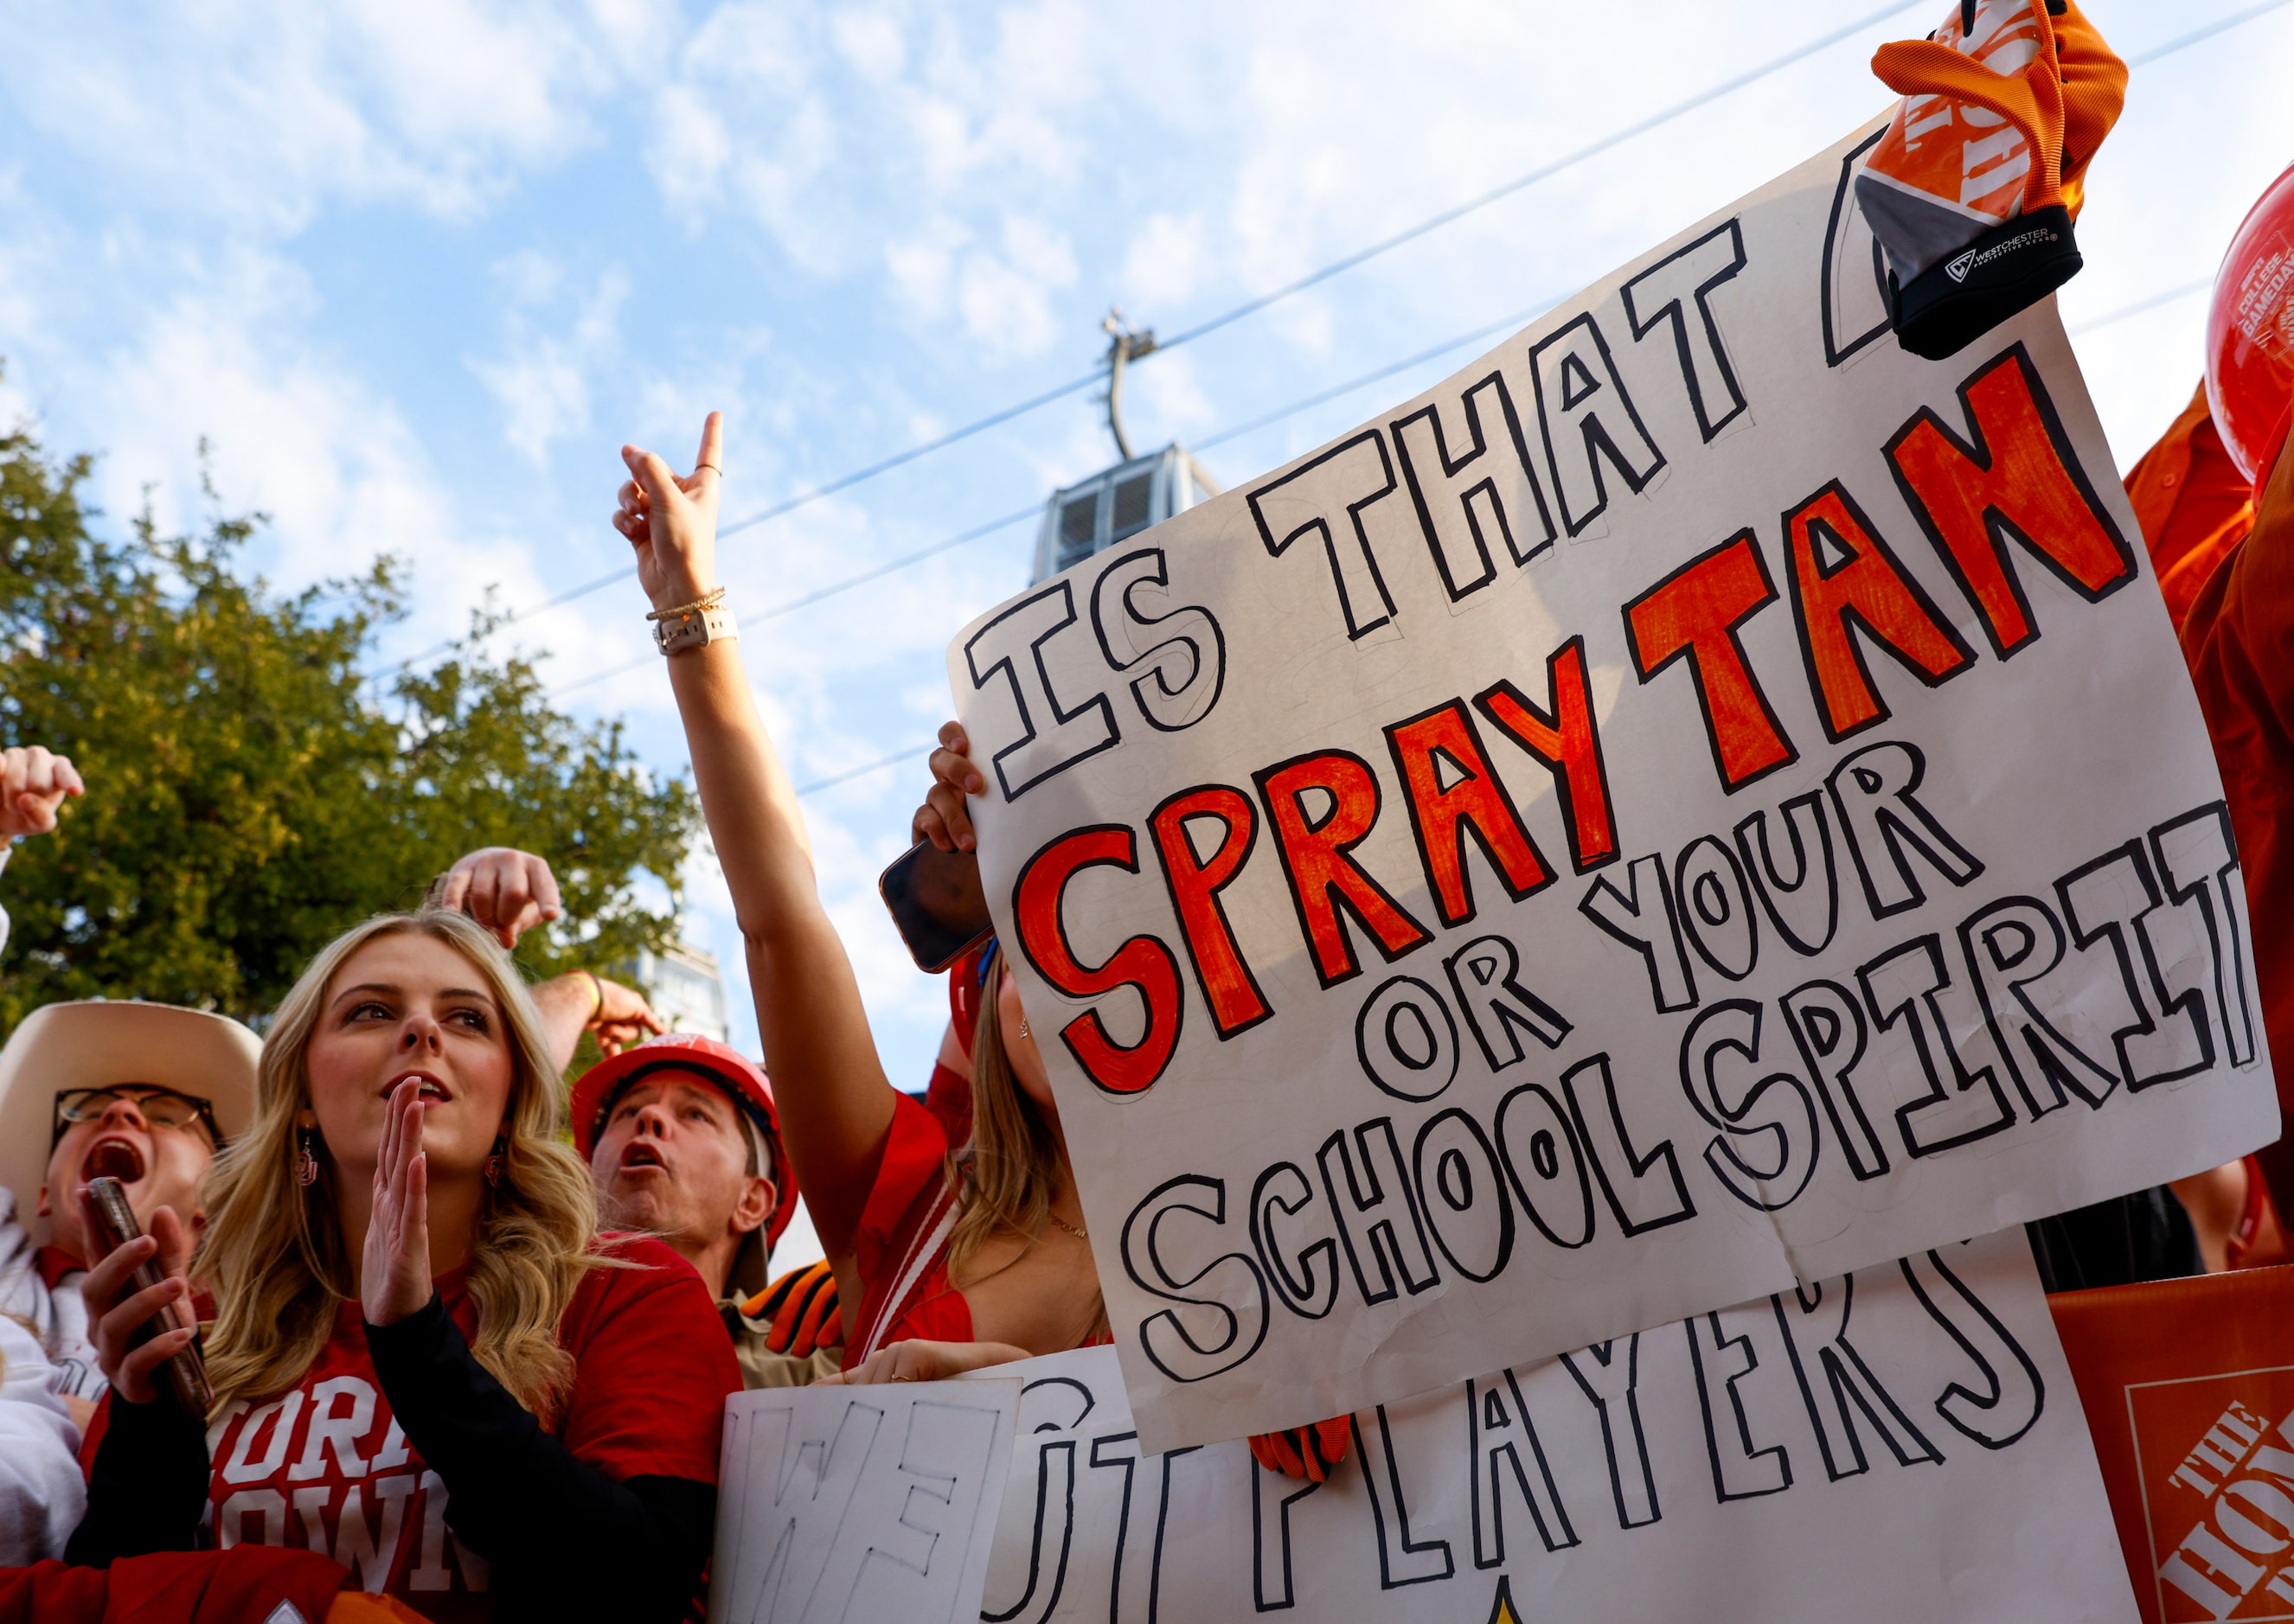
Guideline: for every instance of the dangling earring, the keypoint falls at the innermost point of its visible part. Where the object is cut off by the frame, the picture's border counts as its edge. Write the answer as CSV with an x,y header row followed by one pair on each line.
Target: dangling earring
x,y
306,1165
495,1162
1023,1028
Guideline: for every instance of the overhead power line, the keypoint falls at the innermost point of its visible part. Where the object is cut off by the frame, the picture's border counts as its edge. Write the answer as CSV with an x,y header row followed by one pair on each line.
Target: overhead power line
x,y
1251,306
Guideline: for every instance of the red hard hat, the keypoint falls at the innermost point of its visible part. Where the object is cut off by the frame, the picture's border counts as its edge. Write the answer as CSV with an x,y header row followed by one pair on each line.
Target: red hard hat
x,y
2250,333
596,1089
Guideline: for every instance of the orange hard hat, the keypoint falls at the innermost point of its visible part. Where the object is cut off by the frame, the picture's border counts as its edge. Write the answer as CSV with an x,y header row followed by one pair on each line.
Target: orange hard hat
x,y
2250,333
689,1052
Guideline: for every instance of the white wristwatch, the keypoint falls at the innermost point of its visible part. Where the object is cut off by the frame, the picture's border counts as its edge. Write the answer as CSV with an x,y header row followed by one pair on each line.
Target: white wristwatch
x,y
694,629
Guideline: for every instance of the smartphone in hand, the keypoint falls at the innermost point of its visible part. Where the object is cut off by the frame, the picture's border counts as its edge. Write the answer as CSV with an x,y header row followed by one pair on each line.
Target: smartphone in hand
x,y
185,1375
937,902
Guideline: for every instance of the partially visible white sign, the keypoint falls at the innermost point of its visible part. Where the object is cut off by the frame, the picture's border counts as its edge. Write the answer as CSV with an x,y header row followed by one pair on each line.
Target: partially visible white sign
x,y
1697,801
838,1504
1901,1447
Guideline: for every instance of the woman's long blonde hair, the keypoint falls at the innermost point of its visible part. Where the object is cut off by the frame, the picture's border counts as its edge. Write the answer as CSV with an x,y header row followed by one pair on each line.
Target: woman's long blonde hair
x,y
1006,1176
274,1253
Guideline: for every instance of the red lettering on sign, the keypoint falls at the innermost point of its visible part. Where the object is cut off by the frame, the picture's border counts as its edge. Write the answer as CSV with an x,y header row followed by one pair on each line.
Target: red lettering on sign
x,y
1322,878
2017,482
1568,744
1845,579
1142,963
1442,742
1695,613
1228,986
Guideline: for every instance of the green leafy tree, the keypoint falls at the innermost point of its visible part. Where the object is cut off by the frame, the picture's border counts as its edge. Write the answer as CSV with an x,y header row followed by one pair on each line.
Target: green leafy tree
x,y
252,792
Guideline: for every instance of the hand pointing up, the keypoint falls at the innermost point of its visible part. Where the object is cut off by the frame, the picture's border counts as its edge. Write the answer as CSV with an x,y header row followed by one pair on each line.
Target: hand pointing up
x,y
673,522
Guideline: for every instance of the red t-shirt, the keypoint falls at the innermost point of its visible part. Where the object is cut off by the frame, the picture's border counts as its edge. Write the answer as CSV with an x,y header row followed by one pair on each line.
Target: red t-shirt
x,y
324,1466
902,1245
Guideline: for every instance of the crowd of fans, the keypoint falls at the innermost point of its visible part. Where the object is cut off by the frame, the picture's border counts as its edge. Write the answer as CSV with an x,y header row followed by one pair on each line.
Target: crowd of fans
x,y
450,1349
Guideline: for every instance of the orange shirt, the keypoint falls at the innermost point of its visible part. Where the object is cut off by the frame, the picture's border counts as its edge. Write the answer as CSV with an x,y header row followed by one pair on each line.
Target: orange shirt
x,y
2226,565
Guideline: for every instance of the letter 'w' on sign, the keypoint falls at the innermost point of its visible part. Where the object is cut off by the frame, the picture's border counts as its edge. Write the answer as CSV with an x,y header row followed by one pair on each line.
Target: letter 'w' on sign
x,y
1845,580
1695,613
1142,964
2017,481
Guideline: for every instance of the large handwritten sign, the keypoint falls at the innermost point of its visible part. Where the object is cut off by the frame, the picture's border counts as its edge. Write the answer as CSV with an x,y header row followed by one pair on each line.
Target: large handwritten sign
x,y
1903,1445
1700,800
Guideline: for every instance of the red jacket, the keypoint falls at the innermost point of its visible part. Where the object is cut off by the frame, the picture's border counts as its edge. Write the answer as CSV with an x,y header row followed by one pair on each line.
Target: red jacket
x,y
2226,567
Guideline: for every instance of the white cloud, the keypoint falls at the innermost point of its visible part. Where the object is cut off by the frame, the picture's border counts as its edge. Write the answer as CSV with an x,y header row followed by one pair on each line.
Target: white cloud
x,y
541,378
260,112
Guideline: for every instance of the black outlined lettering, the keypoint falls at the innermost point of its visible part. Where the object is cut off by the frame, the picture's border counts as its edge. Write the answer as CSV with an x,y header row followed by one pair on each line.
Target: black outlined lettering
x,y
1502,1437
1485,975
1183,649
1546,1165
1635,1185
1611,1384
1401,1559
1168,1337
1406,1039
1828,1029
1462,1192
1567,742
1585,419
1321,497
1716,907
1805,909
1367,1206
1478,497
2010,945
1657,293
2112,898
1902,985
1644,918
2197,863
1819,1322
1271,1497
1886,826
1051,737
1741,1469
1764,1160
1313,1291
2014,1394
1853,296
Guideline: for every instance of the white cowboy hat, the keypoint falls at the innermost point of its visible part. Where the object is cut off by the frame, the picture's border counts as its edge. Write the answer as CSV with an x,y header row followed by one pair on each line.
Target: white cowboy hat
x,y
63,1046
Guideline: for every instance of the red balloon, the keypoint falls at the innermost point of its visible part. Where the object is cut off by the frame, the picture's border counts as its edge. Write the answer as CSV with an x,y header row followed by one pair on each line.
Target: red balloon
x,y
2250,333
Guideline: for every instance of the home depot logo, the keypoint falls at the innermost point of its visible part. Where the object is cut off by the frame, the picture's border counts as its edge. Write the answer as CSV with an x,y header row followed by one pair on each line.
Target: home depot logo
x,y
2221,1511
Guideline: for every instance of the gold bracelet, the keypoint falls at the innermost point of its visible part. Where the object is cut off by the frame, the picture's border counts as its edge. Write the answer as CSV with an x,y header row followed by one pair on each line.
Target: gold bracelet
x,y
706,602
597,991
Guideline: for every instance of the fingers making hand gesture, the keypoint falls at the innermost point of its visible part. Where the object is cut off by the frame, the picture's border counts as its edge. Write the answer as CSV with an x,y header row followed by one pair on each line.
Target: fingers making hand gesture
x,y
117,1313
395,1269
32,785
671,522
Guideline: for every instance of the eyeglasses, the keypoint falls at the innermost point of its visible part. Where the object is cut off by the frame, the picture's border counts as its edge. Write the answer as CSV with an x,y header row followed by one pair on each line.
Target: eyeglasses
x,y
162,1107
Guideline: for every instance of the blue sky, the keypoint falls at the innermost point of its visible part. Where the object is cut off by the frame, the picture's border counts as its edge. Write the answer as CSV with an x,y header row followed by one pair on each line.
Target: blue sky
x,y
414,269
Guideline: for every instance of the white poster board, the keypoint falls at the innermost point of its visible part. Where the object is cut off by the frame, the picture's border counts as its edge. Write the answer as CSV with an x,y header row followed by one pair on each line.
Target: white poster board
x,y
1903,1451
838,1504
1701,799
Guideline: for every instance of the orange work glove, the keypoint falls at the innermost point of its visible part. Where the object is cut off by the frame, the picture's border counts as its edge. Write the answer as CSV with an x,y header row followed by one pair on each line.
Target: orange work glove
x,y
1307,1453
1973,189
802,1307
357,1607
